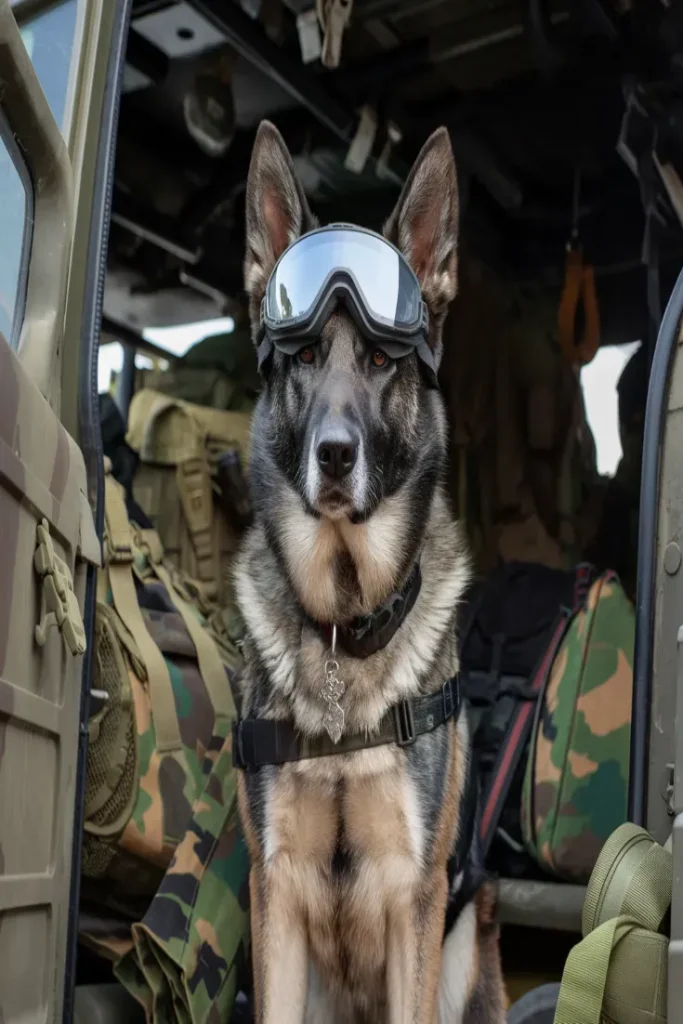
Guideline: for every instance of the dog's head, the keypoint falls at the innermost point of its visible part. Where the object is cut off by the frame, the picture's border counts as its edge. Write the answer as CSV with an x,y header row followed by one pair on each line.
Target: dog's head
x,y
347,427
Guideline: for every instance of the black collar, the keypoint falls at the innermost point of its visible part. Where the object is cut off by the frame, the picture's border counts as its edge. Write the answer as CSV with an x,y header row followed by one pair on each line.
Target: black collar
x,y
261,741
367,634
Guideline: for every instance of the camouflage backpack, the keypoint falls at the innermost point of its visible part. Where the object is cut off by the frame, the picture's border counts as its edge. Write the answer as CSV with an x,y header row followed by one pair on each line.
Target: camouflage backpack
x,y
511,626
161,809
576,782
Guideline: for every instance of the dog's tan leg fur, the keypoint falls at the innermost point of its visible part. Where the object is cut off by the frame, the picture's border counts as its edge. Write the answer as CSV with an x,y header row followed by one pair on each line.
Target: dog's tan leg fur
x,y
414,943
432,910
256,912
284,953
288,893
414,950
402,969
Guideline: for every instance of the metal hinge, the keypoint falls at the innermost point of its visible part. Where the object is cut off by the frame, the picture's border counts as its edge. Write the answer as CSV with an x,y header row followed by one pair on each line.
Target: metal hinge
x,y
58,605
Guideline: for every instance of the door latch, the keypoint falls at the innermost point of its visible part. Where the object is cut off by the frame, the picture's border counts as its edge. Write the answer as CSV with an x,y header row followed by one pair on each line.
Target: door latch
x,y
58,603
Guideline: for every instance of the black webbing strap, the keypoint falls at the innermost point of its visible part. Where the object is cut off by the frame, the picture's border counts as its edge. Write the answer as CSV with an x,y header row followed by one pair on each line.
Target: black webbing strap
x,y
261,741
367,634
514,742
521,722
649,182
466,869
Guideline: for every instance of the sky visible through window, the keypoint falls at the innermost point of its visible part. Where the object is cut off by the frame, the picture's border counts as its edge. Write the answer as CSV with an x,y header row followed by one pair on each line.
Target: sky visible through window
x,y
174,339
599,381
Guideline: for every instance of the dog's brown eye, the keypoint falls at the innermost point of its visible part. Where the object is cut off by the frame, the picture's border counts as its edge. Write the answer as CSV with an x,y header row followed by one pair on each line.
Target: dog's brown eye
x,y
307,356
378,358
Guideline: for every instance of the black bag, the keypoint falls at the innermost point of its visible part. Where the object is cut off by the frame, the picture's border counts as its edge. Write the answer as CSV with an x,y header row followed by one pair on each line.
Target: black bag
x,y
511,626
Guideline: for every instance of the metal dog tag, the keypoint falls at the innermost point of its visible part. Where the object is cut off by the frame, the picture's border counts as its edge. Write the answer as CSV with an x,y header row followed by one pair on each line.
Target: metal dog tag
x,y
332,692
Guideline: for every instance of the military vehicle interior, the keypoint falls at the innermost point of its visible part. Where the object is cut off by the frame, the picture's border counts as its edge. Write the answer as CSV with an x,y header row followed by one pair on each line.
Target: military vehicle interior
x,y
565,120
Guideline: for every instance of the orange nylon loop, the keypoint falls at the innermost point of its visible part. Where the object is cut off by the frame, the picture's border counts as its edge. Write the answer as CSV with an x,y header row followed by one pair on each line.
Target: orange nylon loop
x,y
579,285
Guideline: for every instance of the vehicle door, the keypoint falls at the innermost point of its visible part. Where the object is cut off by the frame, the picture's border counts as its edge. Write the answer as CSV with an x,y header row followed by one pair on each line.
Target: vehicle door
x,y
56,107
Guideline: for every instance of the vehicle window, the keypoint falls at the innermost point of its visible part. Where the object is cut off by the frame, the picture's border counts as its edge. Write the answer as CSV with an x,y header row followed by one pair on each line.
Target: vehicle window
x,y
16,204
49,40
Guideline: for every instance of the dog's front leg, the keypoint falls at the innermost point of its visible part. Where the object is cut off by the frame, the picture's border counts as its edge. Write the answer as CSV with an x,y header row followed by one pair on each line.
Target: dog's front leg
x,y
414,955
280,953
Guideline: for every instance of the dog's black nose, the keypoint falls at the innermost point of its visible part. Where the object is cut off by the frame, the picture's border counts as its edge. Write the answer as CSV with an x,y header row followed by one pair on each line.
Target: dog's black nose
x,y
337,458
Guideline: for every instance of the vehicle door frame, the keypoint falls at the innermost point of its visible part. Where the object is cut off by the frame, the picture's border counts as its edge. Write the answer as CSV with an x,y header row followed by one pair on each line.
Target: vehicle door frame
x,y
84,169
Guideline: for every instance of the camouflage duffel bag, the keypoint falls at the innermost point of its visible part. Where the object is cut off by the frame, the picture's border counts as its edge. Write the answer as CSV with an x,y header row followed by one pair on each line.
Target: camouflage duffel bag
x,y
576,784
177,963
160,786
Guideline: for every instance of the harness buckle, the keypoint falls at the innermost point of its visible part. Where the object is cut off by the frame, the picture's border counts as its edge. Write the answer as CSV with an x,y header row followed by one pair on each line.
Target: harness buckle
x,y
404,723
238,747
448,699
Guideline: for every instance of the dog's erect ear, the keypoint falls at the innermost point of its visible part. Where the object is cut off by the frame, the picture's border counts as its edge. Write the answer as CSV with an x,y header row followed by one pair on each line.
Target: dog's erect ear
x,y
424,224
277,211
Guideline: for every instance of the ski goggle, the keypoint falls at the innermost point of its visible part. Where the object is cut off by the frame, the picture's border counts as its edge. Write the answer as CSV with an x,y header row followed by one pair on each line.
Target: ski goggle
x,y
353,266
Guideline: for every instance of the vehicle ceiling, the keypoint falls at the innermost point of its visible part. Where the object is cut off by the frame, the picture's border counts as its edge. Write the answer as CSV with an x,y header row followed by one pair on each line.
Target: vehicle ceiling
x,y
532,92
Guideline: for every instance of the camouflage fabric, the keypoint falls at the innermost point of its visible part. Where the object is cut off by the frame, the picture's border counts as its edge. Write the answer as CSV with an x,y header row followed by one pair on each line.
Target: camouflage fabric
x,y
161,788
186,956
162,820
575,790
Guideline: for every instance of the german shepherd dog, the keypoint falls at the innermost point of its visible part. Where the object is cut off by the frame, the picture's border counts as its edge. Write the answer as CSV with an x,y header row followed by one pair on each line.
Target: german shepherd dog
x,y
349,852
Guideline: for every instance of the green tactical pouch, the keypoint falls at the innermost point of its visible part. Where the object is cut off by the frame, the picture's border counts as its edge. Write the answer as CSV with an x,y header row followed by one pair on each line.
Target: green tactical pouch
x,y
191,947
618,973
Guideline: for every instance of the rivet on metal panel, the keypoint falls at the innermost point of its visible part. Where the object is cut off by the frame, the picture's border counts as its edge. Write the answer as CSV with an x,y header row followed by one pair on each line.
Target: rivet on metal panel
x,y
672,558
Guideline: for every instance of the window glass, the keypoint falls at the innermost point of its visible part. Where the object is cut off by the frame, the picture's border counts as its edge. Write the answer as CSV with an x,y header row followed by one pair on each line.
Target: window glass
x,y
15,231
49,40
110,364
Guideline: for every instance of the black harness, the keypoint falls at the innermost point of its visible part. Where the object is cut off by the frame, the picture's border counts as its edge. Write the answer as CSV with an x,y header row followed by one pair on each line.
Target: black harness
x,y
265,741
261,741
466,868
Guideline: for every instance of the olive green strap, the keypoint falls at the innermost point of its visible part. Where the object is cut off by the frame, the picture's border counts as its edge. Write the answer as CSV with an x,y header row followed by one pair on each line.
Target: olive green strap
x,y
193,479
648,895
646,898
119,560
585,973
211,667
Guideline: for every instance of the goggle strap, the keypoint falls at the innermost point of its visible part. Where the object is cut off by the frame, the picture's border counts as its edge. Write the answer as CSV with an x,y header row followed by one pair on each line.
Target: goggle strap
x,y
263,352
426,357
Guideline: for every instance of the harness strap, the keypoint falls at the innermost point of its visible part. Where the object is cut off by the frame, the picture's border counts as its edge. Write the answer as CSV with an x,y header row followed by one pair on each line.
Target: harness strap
x,y
211,668
193,478
523,721
648,179
517,733
261,741
466,868
120,575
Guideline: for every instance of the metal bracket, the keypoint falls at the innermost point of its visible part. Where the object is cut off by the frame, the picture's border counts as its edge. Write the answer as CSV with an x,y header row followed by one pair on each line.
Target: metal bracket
x,y
58,603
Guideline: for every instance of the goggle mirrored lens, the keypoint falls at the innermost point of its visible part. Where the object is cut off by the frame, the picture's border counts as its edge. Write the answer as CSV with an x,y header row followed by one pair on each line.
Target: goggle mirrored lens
x,y
388,286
